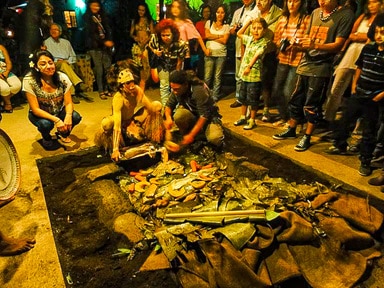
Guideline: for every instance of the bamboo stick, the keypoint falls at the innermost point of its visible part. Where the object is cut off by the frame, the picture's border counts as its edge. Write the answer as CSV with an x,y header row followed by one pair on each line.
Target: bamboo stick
x,y
216,214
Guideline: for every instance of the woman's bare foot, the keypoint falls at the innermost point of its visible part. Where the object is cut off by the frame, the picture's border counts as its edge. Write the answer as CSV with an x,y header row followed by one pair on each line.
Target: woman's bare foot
x,y
5,202
11,246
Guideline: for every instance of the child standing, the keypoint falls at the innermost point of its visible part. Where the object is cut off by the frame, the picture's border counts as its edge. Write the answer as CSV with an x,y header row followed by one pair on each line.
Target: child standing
x,y
250,70
367,96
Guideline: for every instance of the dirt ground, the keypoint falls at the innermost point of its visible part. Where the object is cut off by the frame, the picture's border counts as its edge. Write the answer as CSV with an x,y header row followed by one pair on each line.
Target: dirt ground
x,y
86,246
28,216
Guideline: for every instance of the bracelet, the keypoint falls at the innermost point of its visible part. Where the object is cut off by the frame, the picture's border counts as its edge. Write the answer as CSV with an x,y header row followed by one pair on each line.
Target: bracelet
x,y
57,121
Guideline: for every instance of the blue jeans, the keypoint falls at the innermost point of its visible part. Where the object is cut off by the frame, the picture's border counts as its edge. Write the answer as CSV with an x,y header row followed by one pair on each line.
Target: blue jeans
x,y
45,126
102,62
213,71
165,89
283,87
238,79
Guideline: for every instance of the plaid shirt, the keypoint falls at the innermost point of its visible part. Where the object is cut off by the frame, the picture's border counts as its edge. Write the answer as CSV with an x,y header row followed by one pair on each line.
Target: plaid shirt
x,y
252,47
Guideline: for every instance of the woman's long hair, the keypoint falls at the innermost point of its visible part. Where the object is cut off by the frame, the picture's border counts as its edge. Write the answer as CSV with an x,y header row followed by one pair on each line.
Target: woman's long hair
x,y
183,10
167,24
36,74
303,9
202,8
88,14
366,11
147,14
225,13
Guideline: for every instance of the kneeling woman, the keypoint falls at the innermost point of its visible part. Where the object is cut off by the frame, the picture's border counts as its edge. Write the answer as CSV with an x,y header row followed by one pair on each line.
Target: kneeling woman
x,y
49,97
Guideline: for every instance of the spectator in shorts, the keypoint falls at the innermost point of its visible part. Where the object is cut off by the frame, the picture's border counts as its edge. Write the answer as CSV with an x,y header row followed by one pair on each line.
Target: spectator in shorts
x,y
330,26
250,70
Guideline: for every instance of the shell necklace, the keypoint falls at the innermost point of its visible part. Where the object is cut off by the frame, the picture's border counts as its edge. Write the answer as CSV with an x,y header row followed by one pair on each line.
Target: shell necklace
x,y
324,19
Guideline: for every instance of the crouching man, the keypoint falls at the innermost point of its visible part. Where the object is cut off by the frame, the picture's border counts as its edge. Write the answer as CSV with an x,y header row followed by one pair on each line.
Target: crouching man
x,y
121,127
191,107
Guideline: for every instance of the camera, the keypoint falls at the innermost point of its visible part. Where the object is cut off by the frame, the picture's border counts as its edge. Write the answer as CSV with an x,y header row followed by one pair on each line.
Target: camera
x,y
284,43
238,27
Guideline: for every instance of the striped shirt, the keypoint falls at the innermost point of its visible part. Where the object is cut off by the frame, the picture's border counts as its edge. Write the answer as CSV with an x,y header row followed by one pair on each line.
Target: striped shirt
x,y
284,30
371,63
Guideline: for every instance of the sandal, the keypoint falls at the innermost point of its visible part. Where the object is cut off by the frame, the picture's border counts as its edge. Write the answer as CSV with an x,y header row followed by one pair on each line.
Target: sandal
x,y
103,96
63,139
8,108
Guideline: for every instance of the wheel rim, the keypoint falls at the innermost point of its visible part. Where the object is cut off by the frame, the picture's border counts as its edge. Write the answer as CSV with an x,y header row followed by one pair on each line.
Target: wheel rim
x,y
10,171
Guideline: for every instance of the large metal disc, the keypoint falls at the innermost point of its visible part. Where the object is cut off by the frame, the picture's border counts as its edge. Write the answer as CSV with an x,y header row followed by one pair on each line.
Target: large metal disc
x,y
10,171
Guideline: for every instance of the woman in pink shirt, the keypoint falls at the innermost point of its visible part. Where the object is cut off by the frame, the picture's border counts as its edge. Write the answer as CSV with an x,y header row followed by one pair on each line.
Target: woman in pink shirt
x,y
178,12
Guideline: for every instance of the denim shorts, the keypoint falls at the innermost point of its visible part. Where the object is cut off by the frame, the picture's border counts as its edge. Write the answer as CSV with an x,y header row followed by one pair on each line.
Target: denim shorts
x,y
250,93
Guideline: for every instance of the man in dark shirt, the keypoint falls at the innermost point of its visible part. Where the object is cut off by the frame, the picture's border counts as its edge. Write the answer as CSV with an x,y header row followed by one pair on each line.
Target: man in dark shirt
x,y
367,94
330,26
191,107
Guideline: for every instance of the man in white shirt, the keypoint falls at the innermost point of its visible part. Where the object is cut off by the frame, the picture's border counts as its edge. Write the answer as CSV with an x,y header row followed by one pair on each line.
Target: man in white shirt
x,y
238,19
65,57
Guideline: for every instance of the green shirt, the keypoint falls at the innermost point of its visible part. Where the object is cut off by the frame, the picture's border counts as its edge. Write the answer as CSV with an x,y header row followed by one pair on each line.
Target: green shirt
x,y
252,47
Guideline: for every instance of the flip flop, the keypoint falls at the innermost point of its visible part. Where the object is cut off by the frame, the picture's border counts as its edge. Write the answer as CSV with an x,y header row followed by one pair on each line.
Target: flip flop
x,y
9,110
62,139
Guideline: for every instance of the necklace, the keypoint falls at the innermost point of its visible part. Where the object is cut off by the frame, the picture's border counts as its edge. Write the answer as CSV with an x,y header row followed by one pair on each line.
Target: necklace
x,y
218,26
324,19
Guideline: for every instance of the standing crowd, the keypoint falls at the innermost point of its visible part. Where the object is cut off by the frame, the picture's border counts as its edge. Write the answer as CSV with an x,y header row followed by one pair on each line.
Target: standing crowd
x,y
313,65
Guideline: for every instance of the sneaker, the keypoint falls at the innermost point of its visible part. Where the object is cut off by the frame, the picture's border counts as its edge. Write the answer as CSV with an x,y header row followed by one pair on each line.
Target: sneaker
x,y
266,116
75,100
241,121
333,150
365,169
377,153
290,133
304,143
235,104
250,125
355,149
